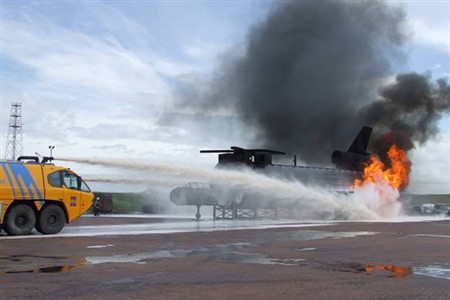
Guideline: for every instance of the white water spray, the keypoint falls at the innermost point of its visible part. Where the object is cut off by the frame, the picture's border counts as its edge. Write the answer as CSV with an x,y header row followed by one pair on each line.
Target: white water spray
x,y
143,181
315,202
381,198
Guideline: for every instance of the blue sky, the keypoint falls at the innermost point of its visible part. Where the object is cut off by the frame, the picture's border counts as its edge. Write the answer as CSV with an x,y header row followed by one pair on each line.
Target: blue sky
x,y
95,76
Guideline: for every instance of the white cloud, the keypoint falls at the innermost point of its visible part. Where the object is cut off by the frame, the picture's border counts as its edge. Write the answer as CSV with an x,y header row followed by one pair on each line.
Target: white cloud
x,y
205,53
433,35
79,82
105,71
65,58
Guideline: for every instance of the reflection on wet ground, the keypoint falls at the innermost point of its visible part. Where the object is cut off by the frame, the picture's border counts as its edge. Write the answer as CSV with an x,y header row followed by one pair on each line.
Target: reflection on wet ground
x,y
239,253
307,235
306,249
100,246
394,271
232,253
22,257
430,235
58,264
390,271
221,253
433,271
257,258
53,269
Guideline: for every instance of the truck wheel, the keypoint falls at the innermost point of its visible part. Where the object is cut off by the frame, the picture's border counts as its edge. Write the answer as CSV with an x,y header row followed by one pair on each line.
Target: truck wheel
x,y
51,219
20,220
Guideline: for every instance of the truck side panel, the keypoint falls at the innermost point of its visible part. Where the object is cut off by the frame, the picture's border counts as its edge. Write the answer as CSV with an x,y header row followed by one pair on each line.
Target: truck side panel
x,y
20,181
25,181
6,190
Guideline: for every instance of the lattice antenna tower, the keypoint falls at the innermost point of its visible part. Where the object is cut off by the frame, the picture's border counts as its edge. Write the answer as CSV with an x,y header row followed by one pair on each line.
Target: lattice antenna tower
x,y
14,142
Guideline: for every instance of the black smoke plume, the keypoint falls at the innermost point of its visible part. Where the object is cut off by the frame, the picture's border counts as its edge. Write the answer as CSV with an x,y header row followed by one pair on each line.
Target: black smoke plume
x,y
308,76
407,113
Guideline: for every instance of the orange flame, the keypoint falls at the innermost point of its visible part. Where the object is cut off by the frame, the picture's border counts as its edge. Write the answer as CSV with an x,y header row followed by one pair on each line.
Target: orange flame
x,y
397,175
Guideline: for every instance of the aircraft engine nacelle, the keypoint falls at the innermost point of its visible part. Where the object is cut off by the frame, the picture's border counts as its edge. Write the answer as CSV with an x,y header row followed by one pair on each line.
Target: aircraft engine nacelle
x,y
350,161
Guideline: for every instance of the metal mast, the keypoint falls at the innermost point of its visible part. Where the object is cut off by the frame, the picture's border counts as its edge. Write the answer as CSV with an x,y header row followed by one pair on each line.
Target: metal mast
x,y
14,143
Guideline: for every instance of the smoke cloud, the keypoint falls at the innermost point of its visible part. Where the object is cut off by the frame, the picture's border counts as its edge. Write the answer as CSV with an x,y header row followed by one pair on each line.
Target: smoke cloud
x,y
308,80
407,113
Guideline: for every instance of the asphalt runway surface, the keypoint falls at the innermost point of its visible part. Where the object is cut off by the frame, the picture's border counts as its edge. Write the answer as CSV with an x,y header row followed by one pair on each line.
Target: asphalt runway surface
x,y
174,257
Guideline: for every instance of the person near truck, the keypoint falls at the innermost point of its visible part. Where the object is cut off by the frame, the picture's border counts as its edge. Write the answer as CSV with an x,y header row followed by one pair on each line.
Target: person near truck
x,y
97,206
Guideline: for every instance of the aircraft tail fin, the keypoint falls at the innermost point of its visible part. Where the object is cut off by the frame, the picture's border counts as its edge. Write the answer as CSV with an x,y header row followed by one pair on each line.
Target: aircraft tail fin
x,y
361,141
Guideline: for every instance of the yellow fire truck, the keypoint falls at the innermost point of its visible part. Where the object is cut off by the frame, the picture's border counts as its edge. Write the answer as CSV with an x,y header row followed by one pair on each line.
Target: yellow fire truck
x,y
38,194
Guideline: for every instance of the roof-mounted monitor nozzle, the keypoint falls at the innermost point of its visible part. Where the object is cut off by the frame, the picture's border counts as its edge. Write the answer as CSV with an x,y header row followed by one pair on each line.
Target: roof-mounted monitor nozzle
x,y
35,159
47,159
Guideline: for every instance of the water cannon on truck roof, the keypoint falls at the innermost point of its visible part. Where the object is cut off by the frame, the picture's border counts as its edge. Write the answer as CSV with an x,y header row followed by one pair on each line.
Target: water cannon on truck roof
x,y
39,194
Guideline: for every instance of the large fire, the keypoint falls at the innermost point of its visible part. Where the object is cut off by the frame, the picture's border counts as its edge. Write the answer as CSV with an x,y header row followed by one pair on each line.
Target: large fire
x,y
396,175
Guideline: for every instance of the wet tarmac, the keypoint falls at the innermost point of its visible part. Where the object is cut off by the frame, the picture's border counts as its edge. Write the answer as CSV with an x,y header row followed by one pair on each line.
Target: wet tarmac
x,y
167,226
124,257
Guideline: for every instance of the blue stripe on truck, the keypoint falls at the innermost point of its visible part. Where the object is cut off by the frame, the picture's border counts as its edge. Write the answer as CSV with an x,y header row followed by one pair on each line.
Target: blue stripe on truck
x,y
20,170
11,183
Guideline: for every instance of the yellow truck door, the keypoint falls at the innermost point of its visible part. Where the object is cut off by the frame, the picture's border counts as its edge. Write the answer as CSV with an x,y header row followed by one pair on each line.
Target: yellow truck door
x,y
86,196
53,183
71,194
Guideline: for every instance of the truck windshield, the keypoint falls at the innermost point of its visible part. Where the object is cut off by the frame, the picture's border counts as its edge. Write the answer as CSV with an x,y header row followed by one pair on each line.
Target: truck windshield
x,y
84,187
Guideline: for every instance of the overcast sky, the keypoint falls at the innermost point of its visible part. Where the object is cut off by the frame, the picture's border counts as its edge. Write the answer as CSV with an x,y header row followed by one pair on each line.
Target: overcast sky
x,y
95,77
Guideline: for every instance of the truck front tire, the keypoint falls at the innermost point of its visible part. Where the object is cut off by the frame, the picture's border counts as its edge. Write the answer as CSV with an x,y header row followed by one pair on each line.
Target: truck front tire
x,y
51,219
20,220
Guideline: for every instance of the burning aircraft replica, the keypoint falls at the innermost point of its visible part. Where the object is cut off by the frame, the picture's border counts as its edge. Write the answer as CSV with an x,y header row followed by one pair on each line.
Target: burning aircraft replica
x,y
231,202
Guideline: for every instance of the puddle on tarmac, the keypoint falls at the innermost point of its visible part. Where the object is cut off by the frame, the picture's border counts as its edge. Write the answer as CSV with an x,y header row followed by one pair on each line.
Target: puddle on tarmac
x,y
430,235
256,258
433,271
53,269
99,246
385,270
20,257
232,253
400,271
306,249
307,235
389,271
222,253
21,263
